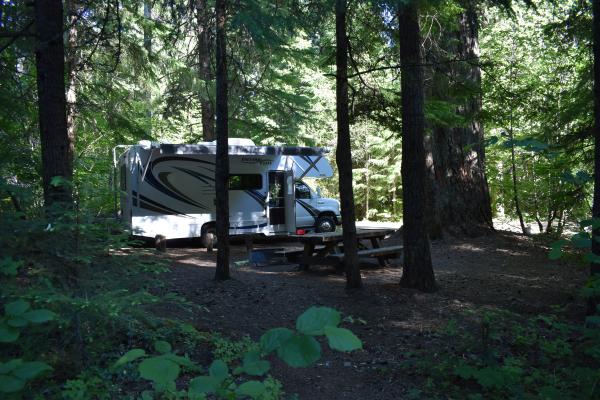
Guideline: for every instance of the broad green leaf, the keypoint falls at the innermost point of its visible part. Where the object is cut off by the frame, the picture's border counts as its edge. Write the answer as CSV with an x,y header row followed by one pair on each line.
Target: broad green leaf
x,y
17,322
32,369
254,365
39,316
159,370
16,308
555,253
273,338
10,384
315,319
218,370
464,371
131,355
9,267
342,339
10,365
183,361
162,347
203,384
252,389
300,351
581,240
8,334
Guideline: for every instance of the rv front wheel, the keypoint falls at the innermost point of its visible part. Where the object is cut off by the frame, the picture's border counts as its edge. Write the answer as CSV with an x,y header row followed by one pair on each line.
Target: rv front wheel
x,y
325,223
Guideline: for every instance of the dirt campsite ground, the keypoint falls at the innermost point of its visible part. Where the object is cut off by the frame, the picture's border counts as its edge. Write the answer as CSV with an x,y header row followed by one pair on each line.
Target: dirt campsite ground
x,y
503,271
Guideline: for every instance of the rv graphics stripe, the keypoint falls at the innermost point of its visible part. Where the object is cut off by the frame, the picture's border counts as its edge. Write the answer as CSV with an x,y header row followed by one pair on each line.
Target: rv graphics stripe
x,y
310,162
248,226
151,179
204,178
259,197
159,208
162,176
311,210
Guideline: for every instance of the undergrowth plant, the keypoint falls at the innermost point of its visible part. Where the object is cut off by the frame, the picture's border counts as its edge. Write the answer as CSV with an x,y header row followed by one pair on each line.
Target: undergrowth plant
x,y
297,348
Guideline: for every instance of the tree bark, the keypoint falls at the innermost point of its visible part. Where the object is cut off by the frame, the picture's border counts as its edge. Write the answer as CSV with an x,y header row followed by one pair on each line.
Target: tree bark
x,y
205,70
459,200
343,152
595,266
57,147
148,47
222,158
417,270
71,65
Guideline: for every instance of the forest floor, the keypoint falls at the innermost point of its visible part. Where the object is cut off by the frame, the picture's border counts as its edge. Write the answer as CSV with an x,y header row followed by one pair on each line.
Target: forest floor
x,y
502,271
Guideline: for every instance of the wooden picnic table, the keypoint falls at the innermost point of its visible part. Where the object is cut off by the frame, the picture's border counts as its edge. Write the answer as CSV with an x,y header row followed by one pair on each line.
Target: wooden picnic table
x,y
331,253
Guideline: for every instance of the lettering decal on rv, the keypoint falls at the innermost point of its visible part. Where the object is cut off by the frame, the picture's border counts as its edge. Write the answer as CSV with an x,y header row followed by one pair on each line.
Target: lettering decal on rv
x,y
257,160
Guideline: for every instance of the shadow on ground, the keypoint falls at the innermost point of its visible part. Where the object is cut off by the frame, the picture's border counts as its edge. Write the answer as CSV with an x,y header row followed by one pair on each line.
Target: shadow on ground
x,y
503,271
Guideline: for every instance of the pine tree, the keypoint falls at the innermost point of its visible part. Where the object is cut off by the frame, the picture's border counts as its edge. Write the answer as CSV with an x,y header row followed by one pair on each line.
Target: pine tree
x,y
343,153
417,269
57,147
222,157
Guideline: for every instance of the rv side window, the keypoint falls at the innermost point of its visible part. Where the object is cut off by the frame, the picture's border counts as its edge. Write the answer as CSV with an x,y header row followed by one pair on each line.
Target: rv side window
x,y
123,179
245,181
302,191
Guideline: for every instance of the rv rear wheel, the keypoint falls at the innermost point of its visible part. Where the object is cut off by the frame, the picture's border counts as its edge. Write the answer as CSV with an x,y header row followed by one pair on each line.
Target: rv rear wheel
x,y
209,237
325,223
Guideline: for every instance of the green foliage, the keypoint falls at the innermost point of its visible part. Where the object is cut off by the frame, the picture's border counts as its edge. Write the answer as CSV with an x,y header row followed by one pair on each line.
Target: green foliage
x,y
297,349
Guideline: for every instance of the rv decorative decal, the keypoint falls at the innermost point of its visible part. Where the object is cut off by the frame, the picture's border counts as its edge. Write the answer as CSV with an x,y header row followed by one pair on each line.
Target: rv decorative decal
x,y
151,179
248,226
310,162
311,210
258,196
163,177
203,178
152,205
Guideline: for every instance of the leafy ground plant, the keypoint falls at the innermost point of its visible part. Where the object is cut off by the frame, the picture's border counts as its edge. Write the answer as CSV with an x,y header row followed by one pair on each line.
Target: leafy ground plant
x,y
298,348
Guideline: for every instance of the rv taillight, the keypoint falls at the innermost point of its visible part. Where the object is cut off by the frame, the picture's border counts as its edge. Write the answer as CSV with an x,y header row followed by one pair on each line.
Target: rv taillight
x,y
300,232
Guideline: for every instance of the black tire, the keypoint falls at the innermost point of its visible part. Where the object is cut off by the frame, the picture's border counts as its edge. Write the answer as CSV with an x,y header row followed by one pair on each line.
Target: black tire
x,y
325,223
208,237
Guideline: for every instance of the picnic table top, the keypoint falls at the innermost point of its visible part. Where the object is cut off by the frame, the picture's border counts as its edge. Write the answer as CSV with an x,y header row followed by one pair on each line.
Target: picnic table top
x,y
338,236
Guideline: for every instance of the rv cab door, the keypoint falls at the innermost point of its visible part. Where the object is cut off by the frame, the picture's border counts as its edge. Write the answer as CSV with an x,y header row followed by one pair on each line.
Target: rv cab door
x,y
281,202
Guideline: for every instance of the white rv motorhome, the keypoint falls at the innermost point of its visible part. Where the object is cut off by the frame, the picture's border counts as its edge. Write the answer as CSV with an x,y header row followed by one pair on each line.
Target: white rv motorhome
x,y
169,189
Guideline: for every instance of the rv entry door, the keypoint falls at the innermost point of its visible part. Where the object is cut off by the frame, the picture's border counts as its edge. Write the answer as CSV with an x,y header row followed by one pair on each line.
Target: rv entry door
x,y
282,216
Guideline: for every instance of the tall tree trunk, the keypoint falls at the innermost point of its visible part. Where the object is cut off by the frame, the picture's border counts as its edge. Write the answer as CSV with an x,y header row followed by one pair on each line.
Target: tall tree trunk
x,y
222,158
205,70
57,148
417,272
460,200
343,152
71,65
513,171
595,266
148,47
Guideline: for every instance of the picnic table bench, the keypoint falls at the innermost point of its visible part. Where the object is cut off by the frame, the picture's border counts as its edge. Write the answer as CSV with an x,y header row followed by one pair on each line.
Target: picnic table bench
x,y
330,251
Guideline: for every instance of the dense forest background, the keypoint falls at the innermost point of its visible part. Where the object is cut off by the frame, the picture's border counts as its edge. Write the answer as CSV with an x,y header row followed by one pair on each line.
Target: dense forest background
x,y
137,72
441,114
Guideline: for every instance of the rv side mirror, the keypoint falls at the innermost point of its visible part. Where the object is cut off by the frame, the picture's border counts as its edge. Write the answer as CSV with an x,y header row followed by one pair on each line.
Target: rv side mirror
x,y
318,192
